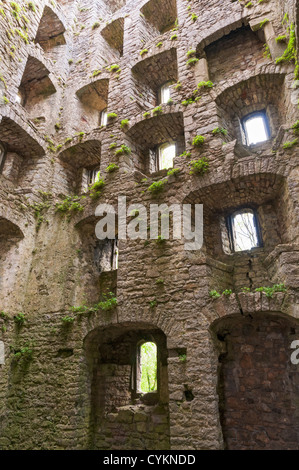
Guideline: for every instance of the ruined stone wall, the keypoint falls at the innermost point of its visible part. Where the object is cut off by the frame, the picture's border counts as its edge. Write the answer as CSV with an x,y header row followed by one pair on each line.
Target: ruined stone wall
x,y
48,382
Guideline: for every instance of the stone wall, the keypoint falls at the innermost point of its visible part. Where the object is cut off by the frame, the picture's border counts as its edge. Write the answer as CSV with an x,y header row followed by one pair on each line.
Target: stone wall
x,y
73,59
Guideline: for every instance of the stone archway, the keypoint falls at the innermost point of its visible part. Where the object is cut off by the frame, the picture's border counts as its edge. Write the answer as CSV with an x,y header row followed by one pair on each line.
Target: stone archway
x,y
120,417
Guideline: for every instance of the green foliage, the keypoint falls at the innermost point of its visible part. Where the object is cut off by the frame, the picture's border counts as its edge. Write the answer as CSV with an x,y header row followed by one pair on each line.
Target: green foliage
x,y
267,53
156,187
153,303
146,114
114,68
192,61
95,189
288,145
15,6
40,209
185,154
124,123
199,167
144,51
4,315
67,320
22,35
113,146
295,127
109,303
160,44
96,73
160,282
248,5
198,141
227,292
262,23
269,291
25,353
111,168
19,318
219,130
281,38
178,85
173,172
112,115
170,102
123,150
207,84
69,205
160,240
174,37
158,110
31,6
214,294
148,379
194,17
290,52
191,53
96,25
245,289
183,357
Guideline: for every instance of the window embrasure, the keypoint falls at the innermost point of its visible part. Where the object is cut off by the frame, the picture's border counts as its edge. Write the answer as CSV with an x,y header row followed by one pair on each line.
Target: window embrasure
x,y
2,156
243,229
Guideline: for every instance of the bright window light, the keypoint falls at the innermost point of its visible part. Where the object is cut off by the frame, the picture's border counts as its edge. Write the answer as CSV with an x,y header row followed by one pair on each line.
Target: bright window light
x,y
256,129
166,155
104,117
18,98
94,176
244,231
148,367
165,93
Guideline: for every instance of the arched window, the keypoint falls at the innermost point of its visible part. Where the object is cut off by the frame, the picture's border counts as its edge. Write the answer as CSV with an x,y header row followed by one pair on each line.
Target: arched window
x,y
147,367
2,156
167,152
165,93
256,128
244,230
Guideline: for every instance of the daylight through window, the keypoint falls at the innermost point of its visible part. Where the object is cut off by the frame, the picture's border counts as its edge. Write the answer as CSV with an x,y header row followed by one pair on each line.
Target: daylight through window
x,y
244,228
166,156
256,128
148,367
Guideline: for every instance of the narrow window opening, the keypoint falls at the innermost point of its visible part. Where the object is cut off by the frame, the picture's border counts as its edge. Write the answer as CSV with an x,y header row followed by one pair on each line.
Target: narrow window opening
x,y
93,176
104,118
244,231
2,156
167,152
19,98
165,93
256,128
147,367
106,255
